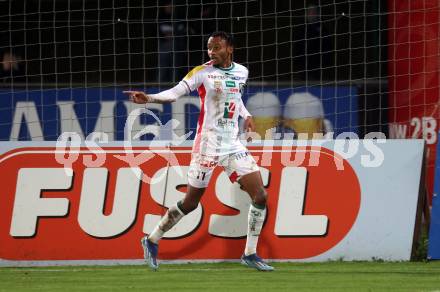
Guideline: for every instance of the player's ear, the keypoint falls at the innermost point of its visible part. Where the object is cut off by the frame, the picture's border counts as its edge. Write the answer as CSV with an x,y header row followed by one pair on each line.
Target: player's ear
x,y
230,49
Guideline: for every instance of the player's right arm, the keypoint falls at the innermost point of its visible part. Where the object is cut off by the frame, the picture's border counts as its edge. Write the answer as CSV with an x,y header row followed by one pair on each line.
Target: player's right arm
x,y
189,83
166,96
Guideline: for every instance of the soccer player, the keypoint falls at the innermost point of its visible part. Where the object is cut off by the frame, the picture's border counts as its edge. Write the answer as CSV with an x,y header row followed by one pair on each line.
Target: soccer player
x,y
220,84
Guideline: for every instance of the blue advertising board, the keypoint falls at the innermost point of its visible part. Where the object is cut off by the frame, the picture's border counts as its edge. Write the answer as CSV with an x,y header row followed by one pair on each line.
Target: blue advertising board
x,y
434,229
43,114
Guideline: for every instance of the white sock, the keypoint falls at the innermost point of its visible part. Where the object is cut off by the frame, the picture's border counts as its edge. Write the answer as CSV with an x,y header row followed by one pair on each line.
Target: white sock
x,y
171,218
256,218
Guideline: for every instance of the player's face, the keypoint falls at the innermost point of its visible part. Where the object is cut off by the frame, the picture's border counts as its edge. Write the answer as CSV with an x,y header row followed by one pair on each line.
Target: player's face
x,y
219,52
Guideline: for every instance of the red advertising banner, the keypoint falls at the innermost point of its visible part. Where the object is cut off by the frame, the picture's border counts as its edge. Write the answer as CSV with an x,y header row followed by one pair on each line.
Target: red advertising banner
x,y
413,68
99,207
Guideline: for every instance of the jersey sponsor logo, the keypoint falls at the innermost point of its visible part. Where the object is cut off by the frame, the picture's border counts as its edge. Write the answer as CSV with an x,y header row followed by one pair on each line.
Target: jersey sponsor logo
x,y
237,78
230,83
229,110
218,87
241,155
217,77
92,213
226,123
233,77
208,164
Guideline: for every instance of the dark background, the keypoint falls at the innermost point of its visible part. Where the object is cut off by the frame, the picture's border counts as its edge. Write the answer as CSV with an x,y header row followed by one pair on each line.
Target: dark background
x,y
82,42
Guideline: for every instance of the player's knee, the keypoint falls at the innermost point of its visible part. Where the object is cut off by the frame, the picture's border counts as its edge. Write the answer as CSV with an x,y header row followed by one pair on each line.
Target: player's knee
x,y
260,197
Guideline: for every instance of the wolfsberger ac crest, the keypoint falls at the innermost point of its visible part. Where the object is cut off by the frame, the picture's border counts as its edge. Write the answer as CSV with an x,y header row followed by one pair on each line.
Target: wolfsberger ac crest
x,y
229,110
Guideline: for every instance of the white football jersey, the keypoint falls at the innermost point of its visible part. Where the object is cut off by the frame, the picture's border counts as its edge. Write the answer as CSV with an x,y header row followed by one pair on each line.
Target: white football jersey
x,y
220,91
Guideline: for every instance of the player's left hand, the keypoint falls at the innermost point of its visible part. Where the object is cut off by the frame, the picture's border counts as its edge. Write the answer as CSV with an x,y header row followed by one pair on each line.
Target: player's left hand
x,y
249,127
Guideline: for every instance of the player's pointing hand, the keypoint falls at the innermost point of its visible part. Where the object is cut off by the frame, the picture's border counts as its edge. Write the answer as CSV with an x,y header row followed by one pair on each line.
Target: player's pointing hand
x,y
137,96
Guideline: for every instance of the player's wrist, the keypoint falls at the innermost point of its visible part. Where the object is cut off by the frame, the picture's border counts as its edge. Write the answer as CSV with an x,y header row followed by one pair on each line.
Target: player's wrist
x,y
148,98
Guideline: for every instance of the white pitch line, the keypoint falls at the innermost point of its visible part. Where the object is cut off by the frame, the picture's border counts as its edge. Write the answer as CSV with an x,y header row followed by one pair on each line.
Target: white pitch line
x,y
146,269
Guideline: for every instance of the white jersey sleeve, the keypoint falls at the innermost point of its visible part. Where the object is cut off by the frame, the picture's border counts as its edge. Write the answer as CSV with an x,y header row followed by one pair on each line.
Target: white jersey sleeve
x,y
171,94
194,78
244,113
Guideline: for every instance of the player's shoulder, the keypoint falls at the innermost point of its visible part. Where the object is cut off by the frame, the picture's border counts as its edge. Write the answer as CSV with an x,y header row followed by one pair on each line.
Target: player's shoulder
x,y
198,69
241,67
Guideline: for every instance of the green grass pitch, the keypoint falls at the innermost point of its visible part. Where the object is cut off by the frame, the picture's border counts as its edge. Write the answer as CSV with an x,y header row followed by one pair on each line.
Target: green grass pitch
x,y
328,276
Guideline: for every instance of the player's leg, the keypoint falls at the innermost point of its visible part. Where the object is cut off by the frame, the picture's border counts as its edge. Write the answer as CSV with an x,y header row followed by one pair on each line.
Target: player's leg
x,y
244,168
175,213
150,243
199,174
253,185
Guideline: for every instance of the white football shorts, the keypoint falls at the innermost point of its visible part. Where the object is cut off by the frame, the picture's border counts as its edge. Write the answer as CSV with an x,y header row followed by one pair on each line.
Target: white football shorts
x,y
235,165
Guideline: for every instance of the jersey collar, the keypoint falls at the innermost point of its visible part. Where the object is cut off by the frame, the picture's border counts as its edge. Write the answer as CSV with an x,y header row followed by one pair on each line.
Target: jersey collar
x,y
226,69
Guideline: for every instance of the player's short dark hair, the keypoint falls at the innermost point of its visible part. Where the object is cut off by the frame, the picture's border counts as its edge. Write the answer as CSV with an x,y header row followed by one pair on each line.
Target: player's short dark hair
x,y
224,36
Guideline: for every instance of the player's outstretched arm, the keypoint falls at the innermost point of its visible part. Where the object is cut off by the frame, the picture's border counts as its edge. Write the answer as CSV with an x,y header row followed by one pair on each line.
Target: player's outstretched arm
x,y
166,96
137,96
